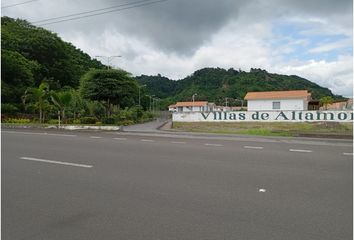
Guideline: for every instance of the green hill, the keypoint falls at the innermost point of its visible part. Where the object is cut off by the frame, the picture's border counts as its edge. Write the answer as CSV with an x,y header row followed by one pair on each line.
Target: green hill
x,y
214,84
30,54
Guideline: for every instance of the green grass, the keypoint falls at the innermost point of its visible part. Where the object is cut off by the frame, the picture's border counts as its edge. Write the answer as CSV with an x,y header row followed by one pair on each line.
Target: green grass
x,y
268,129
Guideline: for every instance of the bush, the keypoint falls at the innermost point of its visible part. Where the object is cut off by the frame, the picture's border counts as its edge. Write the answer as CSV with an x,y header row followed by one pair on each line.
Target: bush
x,y
76,121
17,120
126,122
53,121
108,120
88,120
8,108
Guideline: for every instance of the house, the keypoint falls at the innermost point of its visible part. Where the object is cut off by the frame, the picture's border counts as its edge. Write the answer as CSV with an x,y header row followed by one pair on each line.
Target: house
x,y
197,106
278,100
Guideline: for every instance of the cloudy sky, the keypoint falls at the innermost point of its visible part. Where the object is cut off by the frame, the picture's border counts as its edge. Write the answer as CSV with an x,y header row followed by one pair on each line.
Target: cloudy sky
x,y
309,38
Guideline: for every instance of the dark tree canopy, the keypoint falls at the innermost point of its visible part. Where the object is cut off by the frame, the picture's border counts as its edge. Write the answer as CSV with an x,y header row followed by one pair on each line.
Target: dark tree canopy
x,y
111,86
31,54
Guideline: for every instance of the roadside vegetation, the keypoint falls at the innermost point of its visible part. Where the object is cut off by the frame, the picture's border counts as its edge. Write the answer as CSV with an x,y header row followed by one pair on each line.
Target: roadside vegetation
x,y
45,79
269,129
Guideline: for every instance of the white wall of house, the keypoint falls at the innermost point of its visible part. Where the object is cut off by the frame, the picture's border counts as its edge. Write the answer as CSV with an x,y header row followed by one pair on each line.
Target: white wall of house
x,y
285,104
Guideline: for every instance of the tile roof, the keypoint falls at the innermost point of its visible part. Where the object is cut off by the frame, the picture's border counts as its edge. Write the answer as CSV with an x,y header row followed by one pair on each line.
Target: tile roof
x,y
190,104
277,94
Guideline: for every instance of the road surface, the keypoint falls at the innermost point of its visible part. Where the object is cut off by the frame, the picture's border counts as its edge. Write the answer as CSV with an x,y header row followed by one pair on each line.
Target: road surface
x,y
93,185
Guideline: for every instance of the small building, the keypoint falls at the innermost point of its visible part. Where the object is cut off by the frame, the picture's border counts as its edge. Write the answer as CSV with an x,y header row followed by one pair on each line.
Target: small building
x,y
197,106
343,105
278,100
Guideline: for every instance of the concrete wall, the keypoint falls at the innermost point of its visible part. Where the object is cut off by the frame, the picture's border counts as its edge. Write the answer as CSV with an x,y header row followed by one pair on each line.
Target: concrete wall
x,y
264,116
285,104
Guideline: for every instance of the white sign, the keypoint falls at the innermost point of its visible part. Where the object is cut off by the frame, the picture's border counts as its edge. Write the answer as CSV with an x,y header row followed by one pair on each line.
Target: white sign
x,y
268,116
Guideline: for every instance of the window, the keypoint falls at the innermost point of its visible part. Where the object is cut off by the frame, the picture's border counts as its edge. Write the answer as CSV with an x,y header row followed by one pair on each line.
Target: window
x,y
276,105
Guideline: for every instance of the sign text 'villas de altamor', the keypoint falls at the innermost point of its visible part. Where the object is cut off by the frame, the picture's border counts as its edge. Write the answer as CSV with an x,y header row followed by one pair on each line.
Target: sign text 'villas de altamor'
x,y
269,116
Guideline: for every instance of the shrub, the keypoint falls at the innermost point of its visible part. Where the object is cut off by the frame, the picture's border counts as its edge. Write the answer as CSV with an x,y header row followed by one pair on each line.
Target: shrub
x,y
126,122
88,120
17,120
53,121
8,108
108,120
76,121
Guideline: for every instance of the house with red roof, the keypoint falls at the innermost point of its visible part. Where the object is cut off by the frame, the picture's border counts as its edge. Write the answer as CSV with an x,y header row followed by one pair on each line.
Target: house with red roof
x,y
278,100
196,106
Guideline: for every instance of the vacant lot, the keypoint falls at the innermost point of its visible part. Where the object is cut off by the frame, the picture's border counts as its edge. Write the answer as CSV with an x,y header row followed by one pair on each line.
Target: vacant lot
x,y
270,129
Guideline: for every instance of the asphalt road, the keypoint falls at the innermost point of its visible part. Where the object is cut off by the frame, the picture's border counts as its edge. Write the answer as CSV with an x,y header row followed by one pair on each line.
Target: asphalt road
x,y
92,185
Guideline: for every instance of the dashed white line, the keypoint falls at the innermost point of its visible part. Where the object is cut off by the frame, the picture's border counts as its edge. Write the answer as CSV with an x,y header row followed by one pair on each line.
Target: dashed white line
x,y
179,142
253,147
95,137
41,133
348,154
147,140
300,150
262,190
56,162
61,135
213,144
120,138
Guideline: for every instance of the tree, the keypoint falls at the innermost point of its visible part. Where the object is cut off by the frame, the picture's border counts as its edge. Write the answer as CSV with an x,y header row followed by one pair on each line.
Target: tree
x,y
39,97
62,101
325,101
18,73
110,86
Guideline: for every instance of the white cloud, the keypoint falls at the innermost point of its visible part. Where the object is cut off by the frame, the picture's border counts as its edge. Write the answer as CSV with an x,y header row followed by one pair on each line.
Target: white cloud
x,y
154,40
331,46
336,75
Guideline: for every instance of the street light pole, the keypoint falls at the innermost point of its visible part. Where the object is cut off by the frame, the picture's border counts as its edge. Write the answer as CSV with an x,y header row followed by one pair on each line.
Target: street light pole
x,y
139,92
193,100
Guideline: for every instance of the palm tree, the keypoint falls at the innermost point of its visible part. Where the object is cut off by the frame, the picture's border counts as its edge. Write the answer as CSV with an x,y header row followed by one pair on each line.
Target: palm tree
x,y
38,96
62,101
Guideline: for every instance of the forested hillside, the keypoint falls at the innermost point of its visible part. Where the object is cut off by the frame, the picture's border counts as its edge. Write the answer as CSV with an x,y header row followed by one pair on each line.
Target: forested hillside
x,y
214,84
30,55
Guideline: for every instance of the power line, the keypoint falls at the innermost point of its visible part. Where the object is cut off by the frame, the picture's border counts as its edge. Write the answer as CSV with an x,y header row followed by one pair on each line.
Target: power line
x,y
96,14
16,4
97,10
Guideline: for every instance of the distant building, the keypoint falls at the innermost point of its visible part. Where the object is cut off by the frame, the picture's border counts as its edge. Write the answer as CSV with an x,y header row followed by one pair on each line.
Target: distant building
x,y
344,105
278,100
197,106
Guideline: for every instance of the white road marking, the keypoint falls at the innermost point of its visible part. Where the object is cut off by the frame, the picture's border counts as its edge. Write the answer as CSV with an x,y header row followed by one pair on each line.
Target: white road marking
x,y
120,138
61,135
262,190
300,150
56,162
348,154
213,144
41,133
179,142
147,140
95,137
253,147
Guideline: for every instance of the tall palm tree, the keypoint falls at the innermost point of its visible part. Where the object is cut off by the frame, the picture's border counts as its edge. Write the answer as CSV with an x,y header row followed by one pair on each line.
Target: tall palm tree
x,y
39,97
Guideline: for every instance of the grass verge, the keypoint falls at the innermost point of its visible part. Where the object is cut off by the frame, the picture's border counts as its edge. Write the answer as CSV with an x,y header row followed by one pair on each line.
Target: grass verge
x,y
269,129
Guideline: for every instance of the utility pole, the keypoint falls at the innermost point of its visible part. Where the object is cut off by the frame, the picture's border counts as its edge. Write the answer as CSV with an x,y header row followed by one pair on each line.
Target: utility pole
x,y
108,59
193,100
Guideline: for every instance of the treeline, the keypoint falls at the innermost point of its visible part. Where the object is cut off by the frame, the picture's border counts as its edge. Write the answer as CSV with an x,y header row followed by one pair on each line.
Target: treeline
x,y
216,84
43,77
